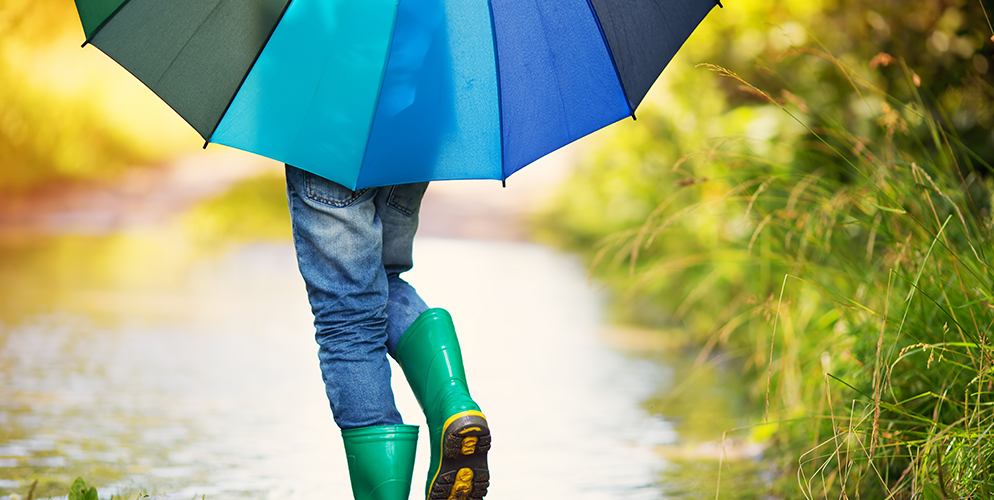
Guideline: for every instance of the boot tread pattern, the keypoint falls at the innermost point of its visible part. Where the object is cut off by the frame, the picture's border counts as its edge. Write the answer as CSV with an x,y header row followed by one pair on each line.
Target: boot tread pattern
x,y
463,472
462,484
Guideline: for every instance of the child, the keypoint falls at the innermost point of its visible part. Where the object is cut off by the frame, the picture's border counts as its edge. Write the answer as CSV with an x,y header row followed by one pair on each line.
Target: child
x,y
351,248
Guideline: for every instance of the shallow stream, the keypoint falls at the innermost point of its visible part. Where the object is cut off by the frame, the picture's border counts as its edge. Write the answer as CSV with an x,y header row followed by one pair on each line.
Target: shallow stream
x,y
145,361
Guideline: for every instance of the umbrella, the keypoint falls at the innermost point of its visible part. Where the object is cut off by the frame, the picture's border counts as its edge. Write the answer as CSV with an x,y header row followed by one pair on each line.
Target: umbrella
x,y
378,92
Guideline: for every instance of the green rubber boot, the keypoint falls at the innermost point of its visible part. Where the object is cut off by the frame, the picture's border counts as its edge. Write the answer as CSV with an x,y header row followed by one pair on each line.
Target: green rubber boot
x,y
381,461
460,438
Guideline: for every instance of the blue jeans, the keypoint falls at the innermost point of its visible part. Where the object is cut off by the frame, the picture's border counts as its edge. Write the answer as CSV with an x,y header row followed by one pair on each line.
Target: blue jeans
x,y
352,247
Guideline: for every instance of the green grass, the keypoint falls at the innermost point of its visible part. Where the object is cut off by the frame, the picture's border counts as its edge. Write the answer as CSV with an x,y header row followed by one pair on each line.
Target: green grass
x,y
845,268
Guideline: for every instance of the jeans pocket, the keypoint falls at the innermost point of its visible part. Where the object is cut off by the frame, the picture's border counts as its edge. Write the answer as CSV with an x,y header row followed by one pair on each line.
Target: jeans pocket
x,y
321,190
406,198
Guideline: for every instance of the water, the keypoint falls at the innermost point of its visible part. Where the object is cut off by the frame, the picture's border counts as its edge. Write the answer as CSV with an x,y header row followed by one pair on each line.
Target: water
x,y
148,361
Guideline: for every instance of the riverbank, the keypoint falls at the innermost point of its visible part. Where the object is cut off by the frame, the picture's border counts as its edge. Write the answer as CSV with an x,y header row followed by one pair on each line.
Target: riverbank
x,y
139,196
153,195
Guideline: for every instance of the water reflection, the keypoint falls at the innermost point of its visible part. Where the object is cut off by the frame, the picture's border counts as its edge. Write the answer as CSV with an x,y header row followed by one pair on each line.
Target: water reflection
x,y
701,399
145,361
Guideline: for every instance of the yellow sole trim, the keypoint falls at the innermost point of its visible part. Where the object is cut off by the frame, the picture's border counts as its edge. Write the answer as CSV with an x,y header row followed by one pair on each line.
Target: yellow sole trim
x,y
461,415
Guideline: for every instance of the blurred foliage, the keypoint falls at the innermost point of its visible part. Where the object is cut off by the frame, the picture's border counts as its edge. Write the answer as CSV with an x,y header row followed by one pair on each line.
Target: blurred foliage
x,y
254,209
823,48
808,189
68,113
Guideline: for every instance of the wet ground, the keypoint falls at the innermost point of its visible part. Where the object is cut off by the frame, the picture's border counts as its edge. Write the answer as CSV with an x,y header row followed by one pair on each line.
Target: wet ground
x,y
144,357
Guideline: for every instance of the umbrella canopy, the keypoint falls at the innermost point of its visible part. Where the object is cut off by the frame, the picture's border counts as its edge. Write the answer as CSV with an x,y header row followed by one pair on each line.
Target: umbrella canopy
x,y
380,92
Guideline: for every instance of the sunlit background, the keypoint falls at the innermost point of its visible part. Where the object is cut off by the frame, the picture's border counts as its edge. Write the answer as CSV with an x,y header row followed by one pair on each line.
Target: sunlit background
x,y
696,304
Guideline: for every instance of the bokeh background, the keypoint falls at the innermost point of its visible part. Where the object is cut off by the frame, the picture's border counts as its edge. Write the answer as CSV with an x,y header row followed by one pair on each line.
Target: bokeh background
x,y
774,284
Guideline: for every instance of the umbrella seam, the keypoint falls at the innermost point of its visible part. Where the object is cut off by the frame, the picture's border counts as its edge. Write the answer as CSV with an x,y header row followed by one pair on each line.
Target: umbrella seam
x,y
158,79
246,75
379,92
104,23
308,109
500,101
610,53
555,73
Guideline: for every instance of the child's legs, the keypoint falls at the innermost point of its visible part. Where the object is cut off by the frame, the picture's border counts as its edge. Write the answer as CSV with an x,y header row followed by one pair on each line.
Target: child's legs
x,y
338,235
404,306
398,207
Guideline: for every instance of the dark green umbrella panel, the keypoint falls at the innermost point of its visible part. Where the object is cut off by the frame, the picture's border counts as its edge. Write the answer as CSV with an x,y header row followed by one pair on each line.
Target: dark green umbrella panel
x,y
380,92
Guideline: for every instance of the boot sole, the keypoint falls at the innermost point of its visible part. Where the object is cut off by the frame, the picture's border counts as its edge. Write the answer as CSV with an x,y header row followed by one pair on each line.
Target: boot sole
x,y
463,473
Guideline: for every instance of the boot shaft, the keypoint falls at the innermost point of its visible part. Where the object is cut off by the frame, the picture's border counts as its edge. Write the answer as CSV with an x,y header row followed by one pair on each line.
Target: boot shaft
x,y
431,359
381,461
430,356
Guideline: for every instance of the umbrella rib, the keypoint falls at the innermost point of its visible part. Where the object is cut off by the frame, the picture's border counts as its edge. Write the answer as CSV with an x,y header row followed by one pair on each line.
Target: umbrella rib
x,y
379,92
187,42
500,101
310,101
610,53
104,23
555,72
245,76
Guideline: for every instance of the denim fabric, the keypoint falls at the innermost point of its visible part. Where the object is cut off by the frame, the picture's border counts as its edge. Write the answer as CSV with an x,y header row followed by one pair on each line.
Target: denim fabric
x,y
351,248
